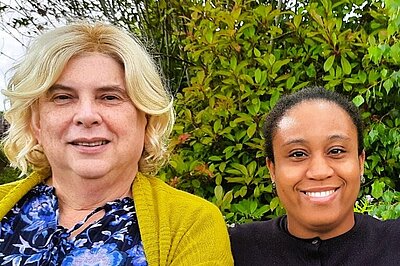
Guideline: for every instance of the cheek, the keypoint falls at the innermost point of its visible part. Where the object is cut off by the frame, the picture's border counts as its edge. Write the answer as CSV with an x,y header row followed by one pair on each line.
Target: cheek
x,y
350,170
288,175
51,128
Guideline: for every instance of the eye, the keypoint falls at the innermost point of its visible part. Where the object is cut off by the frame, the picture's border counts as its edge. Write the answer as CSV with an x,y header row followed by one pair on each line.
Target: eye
x,y
337,151
110,97
61,98
297,154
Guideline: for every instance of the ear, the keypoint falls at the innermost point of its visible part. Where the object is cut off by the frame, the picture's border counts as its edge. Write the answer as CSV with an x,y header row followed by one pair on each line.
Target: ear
x,y
35,121
361,160
271,168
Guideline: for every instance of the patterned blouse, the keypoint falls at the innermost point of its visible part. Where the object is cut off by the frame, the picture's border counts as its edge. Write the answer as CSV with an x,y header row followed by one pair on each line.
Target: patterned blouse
x,y
30,234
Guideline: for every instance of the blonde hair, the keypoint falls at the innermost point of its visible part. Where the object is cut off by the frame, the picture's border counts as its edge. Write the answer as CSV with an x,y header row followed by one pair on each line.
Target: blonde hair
x,y
43,65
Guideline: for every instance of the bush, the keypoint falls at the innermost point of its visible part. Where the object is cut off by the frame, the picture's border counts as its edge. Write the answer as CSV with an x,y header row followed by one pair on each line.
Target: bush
x,y
7,174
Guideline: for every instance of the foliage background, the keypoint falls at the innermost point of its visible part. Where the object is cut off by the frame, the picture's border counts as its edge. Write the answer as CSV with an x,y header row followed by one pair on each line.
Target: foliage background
x,y
228,62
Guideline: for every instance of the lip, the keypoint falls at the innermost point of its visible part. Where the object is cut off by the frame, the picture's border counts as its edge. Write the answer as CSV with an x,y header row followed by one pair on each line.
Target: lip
x,y
320,195
89,145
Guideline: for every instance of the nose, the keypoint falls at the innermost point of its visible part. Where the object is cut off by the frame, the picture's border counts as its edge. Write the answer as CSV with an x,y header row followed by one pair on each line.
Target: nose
x,y
319,168
87,114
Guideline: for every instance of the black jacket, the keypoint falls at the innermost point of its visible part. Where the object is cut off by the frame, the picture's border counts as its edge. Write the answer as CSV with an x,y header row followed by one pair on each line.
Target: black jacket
x,y
369,242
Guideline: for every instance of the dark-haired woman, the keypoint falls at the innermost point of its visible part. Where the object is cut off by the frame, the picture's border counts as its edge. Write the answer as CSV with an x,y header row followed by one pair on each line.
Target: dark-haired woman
x,y
315,156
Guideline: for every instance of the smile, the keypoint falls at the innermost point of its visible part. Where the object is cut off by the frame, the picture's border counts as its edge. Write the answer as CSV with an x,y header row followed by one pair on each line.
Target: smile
x,y
91,144
319,194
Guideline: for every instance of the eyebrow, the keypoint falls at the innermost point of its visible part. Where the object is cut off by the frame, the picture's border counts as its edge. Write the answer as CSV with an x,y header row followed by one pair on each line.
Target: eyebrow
x,y
295,141
331,137
339,137
55,87
67,88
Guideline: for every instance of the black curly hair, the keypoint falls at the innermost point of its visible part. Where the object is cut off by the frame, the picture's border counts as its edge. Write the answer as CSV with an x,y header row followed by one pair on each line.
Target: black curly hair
x,y
287,102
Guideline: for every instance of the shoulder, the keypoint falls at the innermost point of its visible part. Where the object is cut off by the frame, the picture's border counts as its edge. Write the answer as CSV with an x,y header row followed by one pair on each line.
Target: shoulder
x,y
6,188
178,199
186,223
249,230
374,230
11,193
253,232
377,226
257,242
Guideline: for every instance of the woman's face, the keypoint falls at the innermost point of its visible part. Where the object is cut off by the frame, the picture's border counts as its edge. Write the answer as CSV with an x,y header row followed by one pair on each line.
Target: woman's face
x,y
317,168
86,122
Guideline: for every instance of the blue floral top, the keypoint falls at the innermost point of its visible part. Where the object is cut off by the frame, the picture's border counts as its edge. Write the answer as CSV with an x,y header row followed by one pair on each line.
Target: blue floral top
x,y
30,234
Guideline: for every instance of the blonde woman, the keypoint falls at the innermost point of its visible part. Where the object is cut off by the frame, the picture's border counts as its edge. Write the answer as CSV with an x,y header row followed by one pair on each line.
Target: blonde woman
x,y
89,121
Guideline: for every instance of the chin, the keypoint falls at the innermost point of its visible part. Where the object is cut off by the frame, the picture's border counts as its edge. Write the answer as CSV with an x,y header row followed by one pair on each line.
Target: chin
x,y
93,171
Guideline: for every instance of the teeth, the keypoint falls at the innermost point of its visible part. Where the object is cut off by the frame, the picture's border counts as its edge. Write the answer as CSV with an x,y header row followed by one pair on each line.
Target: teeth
x,y
91,144
320,194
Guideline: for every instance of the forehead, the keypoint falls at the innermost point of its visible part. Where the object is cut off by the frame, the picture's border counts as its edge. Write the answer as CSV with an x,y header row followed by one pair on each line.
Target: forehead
x,y
91,68
308,116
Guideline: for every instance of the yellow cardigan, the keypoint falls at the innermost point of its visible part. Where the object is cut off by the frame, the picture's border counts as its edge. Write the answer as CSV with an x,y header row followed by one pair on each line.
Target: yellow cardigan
x,y
177,228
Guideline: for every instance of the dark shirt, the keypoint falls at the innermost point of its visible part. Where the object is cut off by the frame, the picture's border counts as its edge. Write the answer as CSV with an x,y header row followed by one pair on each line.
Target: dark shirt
x,y
369,242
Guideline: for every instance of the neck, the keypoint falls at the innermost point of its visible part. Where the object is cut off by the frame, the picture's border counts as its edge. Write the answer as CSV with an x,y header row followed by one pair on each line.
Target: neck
x,y
322,231
78,196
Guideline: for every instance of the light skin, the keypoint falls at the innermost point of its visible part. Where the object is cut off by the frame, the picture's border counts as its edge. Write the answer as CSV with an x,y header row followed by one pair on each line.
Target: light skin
x,y
317,169
91,133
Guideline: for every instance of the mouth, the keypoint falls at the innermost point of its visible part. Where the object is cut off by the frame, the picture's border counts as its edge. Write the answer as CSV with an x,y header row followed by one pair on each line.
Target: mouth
x,y
90,143
320,194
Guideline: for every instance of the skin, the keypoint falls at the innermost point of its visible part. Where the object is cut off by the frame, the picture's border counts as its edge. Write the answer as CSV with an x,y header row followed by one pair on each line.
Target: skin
x,y
91,133
317,169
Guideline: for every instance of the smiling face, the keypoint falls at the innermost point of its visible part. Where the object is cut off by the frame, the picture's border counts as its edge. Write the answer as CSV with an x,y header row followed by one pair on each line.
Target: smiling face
x,y
86,122
317,168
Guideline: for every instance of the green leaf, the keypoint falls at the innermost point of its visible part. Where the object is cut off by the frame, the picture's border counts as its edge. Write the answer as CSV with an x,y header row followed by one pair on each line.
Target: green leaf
x,y
388,196
218,179
241,168
253,206
219,192
215,158
328,63
233,62
257,75
345,65
388,84
274,98
251,130
217,125
228,198
395,52
256,192
290,82
358,100
196,183
243,191
260,211
271,59
274,203
251,167
377,189
297,20
278,64
222,166
209,36
311,72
